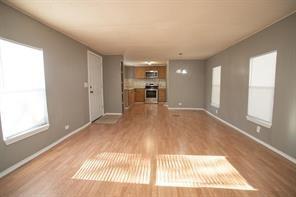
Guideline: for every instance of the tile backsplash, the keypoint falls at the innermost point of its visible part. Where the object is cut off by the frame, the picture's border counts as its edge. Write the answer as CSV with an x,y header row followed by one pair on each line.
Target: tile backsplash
x,y
140,83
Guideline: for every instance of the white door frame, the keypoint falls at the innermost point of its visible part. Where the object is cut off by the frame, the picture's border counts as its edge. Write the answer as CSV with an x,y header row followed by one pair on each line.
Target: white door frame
x,y
88,88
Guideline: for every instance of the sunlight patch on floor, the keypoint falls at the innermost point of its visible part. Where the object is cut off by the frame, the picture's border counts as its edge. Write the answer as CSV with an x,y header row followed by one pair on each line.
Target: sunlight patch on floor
x,y
198,171
116,167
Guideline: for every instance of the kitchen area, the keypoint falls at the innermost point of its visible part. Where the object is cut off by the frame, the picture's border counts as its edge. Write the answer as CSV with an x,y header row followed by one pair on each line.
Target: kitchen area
x,y
145,84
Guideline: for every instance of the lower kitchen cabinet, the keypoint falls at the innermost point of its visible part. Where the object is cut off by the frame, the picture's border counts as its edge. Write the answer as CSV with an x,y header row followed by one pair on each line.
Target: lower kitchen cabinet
x,y
139,95
126,98
131,97
161,95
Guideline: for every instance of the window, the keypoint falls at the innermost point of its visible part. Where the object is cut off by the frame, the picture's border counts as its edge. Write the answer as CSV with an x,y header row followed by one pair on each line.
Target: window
x,y
216,80
23,107
261,88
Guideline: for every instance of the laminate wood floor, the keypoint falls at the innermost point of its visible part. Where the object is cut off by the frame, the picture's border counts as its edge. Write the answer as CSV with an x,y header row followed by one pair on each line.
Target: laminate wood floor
x,y
152,151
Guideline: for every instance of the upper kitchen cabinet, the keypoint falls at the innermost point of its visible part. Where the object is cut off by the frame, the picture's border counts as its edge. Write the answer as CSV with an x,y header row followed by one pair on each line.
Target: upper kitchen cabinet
x,y
161,72
140,72
151,68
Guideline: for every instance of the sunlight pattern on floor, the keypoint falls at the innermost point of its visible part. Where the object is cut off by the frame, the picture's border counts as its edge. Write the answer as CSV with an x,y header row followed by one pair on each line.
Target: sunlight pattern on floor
x,y
116,167
198,171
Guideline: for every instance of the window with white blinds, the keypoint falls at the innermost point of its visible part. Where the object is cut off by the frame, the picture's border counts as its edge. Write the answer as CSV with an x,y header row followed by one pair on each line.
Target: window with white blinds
x,y
216,80
261,88
23,107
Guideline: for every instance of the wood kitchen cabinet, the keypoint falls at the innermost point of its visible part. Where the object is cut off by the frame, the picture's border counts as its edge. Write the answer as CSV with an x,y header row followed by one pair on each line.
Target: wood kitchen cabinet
x,y
162,95
151,68
139,95
161,72
131,97
126,98
140,72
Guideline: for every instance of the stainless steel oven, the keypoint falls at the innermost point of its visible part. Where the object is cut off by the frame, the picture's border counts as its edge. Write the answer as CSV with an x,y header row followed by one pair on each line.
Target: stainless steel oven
x,y
151,74
151,93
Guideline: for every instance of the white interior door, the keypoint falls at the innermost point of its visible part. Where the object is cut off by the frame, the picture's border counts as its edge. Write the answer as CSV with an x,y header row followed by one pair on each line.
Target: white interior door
x,y
95,84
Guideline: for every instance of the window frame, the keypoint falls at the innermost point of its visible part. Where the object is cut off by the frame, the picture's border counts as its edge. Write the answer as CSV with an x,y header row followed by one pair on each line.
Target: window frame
x,y
35,130
214,104
251,118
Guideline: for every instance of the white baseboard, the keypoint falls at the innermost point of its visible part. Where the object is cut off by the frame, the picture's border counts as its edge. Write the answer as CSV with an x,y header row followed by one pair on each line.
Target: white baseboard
x,y
112,114
292,159
26,160
185,108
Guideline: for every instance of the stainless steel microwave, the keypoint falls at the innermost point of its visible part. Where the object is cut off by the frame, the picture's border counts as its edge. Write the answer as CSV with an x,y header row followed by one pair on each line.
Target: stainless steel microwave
x,y
151,74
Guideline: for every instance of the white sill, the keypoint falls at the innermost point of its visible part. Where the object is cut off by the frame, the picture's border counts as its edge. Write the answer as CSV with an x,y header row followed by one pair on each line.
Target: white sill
x,y
259,122
215,105
28,133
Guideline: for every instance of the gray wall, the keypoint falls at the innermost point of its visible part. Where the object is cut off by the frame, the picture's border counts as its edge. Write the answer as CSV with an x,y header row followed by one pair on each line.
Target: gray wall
x,y
129,72
65,64
234,84
187,89
112,83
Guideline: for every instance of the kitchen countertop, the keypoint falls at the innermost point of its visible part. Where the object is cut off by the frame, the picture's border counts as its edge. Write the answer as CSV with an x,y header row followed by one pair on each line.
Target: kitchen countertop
x,y
130,84
129,88
141,88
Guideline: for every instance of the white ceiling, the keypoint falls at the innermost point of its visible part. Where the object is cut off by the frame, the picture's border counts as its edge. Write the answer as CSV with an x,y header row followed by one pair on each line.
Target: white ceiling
x,y
157,30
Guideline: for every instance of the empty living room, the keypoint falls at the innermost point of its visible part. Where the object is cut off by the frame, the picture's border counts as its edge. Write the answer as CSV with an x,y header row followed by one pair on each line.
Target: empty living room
x,y
148,98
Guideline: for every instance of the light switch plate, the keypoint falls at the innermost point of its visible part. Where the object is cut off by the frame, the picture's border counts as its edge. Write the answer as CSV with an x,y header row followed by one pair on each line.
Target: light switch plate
x,y
258,129
85,84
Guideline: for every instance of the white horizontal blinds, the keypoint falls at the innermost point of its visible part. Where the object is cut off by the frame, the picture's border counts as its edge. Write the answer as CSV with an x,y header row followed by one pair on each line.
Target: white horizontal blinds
x,y
216,80
22,89
261,87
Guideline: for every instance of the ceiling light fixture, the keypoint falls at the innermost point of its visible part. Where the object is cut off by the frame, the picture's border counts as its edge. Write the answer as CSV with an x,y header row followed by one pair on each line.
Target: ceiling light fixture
x,y
181,71
149,62
184,71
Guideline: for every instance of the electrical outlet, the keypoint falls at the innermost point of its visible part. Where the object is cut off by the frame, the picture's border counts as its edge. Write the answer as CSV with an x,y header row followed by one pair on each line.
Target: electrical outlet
x,y
180,104
85,84
67,127
258,129
216,111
